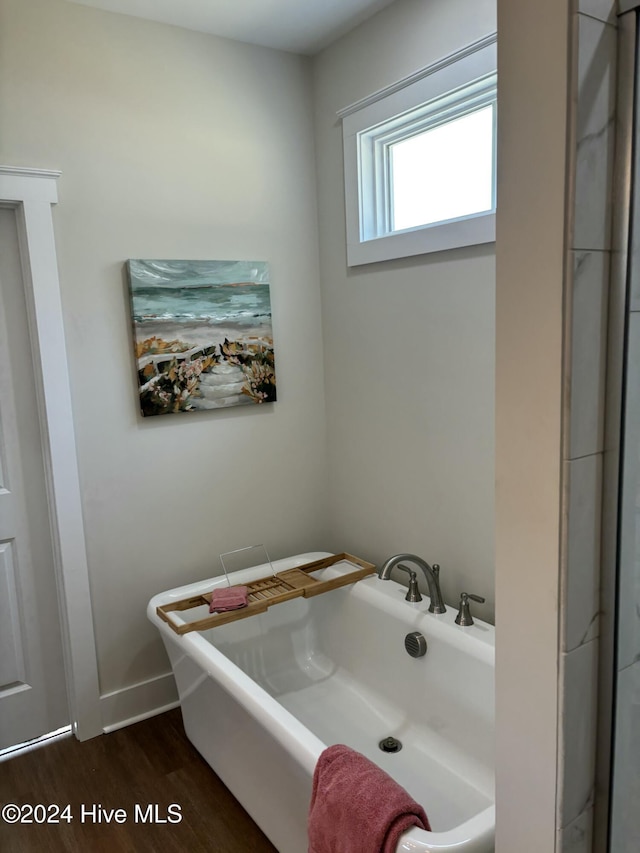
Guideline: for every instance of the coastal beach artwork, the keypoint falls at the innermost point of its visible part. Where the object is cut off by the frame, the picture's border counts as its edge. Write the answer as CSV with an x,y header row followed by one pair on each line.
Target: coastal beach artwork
x,y
202,334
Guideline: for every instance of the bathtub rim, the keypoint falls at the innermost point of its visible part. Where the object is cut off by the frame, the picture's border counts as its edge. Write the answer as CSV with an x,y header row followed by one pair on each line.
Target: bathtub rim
x,y
478,639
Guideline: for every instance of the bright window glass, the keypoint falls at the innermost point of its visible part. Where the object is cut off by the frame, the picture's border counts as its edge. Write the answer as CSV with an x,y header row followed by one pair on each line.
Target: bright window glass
x,y
443,173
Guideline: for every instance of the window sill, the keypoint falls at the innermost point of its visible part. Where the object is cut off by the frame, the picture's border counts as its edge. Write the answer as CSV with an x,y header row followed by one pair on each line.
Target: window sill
x,y
471,231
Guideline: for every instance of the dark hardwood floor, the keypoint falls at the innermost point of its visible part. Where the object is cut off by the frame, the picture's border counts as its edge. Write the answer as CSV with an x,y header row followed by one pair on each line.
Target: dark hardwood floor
x,y
151,762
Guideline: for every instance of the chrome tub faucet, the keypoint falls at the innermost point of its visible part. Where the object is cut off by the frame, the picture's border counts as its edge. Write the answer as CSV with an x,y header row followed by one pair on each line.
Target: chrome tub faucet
x,y
431,573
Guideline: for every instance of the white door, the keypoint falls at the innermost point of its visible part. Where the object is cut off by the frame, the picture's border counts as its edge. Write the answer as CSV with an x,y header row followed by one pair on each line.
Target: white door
x,y
33,696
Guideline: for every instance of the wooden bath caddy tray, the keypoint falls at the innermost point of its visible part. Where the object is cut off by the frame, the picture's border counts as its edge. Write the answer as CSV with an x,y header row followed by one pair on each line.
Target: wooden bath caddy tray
x,y
273,589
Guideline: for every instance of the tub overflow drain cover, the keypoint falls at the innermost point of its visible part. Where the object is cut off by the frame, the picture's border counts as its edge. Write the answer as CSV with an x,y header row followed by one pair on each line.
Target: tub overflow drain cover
x,y
390,744
416,644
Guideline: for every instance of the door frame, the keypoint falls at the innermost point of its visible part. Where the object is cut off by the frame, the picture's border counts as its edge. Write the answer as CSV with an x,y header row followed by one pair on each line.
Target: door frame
x,y
31,193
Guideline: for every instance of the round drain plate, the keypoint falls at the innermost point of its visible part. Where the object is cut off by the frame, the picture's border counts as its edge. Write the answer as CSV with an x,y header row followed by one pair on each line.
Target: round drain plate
x,y
390,744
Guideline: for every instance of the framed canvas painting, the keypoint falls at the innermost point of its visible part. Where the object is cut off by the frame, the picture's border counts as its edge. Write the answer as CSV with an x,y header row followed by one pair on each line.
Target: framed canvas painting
x,y
202,334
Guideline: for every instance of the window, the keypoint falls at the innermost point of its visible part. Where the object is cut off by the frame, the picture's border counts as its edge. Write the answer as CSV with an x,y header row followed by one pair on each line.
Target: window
x,y
444,172
420,161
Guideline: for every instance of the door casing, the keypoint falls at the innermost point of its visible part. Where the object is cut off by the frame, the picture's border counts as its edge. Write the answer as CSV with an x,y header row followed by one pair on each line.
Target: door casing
x,y
32,192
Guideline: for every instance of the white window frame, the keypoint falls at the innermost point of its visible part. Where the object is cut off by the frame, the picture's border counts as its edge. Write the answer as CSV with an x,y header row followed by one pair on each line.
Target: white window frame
x,y
448,89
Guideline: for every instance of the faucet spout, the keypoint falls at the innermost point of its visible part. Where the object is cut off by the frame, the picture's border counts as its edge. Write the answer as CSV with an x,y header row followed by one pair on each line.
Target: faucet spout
x,y
431,573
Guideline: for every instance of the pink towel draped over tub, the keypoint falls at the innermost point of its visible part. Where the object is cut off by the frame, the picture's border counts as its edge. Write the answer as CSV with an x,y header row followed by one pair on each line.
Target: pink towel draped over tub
x,y
356,807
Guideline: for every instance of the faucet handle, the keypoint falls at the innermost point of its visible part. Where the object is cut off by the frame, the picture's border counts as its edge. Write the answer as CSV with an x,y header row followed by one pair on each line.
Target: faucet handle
x,y
413,594
464,617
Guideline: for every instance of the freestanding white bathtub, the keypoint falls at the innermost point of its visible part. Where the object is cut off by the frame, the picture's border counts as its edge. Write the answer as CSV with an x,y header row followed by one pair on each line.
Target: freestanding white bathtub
x,y
263,696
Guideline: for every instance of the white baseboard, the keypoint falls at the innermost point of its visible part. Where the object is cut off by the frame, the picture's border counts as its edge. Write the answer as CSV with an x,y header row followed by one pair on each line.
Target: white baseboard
x,y
138,702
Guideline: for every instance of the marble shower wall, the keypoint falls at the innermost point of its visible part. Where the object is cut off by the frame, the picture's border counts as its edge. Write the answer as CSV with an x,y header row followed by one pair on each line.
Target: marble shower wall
x,y
592,125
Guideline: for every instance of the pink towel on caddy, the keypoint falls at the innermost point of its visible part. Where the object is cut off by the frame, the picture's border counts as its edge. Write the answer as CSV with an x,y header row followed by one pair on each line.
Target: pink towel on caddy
x,y
356,807
228,598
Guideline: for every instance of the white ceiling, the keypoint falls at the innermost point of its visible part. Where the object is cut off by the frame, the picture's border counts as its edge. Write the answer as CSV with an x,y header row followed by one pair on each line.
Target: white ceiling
x,y
301,26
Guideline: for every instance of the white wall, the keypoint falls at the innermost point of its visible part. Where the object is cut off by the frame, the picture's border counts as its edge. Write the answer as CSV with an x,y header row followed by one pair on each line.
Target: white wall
x,y
172,144
533,63
409,345
177,144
